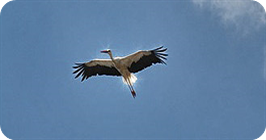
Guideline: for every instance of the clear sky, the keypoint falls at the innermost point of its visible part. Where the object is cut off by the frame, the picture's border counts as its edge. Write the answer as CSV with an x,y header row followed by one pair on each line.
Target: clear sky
x,y
212,86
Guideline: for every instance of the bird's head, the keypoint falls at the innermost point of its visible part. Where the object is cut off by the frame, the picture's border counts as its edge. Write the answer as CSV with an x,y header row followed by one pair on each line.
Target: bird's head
x,y
106,51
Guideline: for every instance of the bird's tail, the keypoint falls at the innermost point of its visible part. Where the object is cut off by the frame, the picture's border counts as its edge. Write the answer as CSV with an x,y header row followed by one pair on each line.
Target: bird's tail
x,y
132,79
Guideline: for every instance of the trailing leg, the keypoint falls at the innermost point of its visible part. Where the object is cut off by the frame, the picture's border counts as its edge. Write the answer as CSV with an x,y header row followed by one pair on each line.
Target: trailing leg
x,y
130,87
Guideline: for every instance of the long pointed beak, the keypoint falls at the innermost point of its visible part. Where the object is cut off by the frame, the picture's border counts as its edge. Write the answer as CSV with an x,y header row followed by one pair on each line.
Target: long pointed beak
x,y
104,51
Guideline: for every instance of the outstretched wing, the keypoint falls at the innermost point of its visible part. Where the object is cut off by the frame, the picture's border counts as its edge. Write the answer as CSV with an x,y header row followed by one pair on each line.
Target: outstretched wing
x,y
143,59
94,68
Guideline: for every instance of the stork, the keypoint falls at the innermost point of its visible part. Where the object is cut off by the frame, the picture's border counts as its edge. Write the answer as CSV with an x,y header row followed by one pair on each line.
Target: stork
x,y
121,66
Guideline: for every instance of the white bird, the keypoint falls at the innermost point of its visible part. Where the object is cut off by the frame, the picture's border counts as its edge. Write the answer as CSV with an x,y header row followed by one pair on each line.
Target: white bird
x,y
121,66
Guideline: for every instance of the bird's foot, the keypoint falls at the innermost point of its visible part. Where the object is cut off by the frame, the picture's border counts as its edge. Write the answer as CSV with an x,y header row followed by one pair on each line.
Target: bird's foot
x,y
133,93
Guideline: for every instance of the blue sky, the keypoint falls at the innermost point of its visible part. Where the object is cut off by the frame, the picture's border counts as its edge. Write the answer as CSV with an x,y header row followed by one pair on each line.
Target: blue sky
x,y
212,86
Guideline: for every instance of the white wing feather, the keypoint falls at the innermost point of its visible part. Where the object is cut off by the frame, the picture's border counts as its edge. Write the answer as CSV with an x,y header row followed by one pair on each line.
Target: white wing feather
x,y
101,62
129,59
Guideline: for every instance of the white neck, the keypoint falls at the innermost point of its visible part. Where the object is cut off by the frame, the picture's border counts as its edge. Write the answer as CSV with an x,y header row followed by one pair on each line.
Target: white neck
x,y
111,55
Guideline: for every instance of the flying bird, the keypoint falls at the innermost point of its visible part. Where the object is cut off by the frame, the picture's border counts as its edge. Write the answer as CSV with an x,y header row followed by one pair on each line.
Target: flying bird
x,y
121,66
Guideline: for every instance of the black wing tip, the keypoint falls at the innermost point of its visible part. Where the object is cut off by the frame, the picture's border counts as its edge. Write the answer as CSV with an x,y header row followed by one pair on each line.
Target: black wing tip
x,y
160,54
160,49
79,69
79,63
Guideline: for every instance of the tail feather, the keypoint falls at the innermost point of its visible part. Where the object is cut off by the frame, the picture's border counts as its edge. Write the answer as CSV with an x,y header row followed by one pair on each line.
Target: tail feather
x,y
132,79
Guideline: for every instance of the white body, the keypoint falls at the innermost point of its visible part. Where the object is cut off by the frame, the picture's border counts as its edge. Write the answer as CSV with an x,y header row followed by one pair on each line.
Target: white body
x,y
121,66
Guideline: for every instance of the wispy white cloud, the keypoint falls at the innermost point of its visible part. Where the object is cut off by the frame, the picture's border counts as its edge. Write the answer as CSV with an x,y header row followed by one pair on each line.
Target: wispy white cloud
x,y
245,15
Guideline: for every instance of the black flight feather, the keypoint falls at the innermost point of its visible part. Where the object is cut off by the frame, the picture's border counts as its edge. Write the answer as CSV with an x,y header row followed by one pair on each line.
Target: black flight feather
x,y
157,55
88,71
